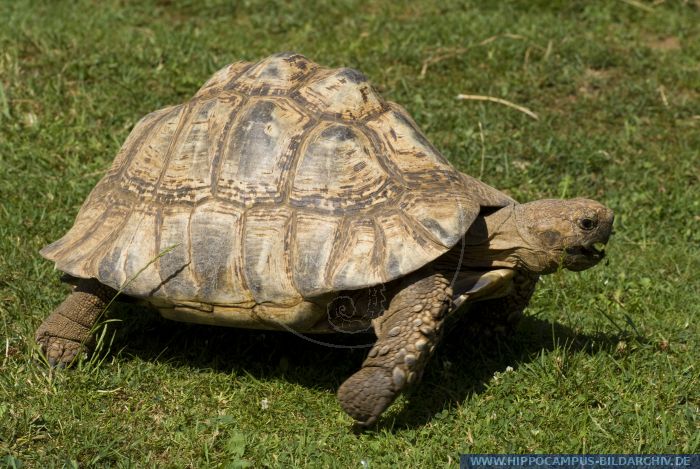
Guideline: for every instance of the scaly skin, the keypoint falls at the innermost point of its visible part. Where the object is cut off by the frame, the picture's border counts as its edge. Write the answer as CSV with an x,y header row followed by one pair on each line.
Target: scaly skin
x,y
69,330
407,334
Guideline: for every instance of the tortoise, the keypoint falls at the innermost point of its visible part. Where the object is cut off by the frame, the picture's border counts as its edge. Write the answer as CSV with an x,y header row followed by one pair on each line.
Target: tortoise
x,y
285,195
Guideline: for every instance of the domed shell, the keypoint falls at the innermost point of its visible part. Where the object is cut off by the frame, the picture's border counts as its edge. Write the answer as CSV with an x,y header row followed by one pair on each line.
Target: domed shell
x,y
278,181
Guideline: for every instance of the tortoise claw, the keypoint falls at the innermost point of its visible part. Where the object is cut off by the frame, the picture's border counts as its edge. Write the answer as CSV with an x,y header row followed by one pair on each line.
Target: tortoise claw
x,y
60,353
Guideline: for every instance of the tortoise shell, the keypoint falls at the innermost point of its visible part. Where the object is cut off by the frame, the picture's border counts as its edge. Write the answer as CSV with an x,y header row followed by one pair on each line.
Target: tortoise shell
x,y
278,182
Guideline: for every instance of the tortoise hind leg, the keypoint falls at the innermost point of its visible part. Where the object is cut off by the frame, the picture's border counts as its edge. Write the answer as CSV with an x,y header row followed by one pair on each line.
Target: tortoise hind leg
x,y
69,329
406,337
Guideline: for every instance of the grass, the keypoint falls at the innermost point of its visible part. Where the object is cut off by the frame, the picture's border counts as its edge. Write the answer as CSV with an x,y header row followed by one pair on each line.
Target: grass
x,y
607,360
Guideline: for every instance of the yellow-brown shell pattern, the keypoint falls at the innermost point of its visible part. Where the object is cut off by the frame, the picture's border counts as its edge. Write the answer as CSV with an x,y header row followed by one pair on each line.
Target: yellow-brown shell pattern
x,y
278,181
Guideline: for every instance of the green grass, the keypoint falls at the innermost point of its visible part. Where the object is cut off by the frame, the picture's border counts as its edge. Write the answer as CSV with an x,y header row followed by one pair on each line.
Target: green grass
x,y
607,360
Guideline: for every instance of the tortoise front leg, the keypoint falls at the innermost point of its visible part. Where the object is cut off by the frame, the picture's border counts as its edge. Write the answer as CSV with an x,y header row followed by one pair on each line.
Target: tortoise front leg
x,y
406,337
498,318
69,329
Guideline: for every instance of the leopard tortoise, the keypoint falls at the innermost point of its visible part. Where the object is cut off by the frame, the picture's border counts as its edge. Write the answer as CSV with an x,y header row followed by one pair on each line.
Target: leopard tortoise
x,y
285,195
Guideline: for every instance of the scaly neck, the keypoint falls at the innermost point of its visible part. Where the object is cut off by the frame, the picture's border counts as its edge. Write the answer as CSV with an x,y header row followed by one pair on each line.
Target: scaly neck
x,y
493,241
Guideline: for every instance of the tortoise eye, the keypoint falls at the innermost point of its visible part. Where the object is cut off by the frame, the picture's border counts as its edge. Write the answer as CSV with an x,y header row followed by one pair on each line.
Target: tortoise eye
x,y
587,223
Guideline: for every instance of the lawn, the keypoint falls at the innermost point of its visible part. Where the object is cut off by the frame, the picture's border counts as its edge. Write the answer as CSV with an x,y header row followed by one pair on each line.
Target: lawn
x,y
607,360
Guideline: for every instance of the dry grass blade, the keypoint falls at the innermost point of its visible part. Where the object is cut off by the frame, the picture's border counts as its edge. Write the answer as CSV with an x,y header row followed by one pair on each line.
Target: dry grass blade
x,y
445,54
662,94
639,5
483,151
439,58
476,97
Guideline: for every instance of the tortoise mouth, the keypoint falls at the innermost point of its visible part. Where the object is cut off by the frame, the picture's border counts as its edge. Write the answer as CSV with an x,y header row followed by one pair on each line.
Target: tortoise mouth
x,y
583,257
596,251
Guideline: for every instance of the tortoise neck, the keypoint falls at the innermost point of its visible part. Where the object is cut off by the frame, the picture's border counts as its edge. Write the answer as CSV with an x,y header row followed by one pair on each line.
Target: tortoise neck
x,y
493,240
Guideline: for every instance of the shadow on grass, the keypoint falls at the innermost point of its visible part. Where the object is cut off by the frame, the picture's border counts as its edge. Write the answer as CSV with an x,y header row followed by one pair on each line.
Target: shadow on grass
x,y
264,355
472,364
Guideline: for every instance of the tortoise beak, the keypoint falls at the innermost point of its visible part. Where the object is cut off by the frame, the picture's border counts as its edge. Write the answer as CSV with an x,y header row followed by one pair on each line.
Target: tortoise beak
x,y
587,254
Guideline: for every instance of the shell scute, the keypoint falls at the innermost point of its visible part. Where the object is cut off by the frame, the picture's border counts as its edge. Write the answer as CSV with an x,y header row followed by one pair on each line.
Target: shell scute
x,y
123,258
187,172
258,151
175,265
353,267
337,170
216,237
444,222
265,255
312,249
222,79
80,251
275,75
136,138
140,268
406,248
404,145
143,169
344,94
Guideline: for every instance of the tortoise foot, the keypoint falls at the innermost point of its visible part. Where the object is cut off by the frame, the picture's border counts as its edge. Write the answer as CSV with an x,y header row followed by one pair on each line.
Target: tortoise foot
x,y
69,330
366,394
59,352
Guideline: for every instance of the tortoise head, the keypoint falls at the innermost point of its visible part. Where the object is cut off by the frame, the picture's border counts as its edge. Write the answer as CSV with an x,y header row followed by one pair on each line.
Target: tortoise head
x,y
568,234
